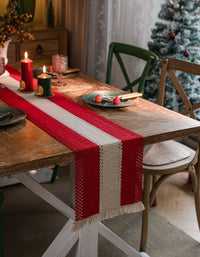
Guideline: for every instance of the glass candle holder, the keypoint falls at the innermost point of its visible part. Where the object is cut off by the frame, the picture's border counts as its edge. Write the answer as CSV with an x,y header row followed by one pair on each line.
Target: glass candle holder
x,y
59,65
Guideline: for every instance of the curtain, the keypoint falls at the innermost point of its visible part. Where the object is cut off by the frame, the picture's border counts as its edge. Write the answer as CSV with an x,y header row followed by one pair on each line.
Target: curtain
x,y
127,21
75,22
41,7
40,11
57,4
97,41
3,6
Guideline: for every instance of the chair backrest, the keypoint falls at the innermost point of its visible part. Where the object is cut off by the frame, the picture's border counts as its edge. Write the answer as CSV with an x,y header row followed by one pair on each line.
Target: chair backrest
x,y
116,49
169,66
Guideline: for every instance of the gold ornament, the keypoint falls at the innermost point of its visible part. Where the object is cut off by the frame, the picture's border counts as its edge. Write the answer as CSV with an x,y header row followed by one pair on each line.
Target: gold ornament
x,y
22,85
175,3
39,90
176,6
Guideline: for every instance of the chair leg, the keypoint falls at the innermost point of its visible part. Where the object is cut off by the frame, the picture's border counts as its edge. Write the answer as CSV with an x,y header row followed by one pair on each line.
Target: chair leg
x,y
1,238
154,179
55,173
197,193
2,204
145,213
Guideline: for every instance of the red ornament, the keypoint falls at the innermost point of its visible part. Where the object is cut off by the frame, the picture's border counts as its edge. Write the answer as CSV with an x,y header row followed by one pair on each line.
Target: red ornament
x,y
116,100
98,98
186,54
172,35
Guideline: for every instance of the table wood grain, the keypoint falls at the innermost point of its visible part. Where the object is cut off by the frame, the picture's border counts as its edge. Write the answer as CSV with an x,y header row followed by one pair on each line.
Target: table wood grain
x,y
24,146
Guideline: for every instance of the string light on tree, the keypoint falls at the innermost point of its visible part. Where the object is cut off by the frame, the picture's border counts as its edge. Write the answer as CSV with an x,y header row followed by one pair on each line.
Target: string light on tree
x,y
175,3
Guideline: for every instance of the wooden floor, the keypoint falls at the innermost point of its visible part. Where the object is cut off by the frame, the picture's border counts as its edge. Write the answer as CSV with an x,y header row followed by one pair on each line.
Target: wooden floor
x,y
176,203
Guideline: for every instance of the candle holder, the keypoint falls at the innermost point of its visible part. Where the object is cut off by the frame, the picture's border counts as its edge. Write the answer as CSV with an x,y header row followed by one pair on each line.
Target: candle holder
x,y
59,65
44,84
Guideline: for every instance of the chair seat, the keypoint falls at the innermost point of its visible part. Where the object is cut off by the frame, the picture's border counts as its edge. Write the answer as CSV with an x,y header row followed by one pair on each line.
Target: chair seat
x,y
167,155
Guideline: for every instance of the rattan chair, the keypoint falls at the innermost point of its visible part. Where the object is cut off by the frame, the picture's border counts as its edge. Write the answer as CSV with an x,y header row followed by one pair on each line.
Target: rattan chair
x,y
167,158
117,50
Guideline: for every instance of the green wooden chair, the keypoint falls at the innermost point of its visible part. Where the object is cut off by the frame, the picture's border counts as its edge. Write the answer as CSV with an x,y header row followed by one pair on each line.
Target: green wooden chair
x,y
2,204
116,49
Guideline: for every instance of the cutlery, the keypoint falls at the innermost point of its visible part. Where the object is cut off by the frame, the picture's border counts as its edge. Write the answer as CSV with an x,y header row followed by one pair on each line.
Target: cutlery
x,y
123,97
4,115
68,72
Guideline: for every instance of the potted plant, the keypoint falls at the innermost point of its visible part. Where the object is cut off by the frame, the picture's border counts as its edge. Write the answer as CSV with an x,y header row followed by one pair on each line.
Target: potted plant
x,y
28,7
13,23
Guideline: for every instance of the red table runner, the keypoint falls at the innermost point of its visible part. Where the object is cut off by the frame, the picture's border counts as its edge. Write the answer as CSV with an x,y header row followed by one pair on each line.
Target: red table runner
x,y
108,157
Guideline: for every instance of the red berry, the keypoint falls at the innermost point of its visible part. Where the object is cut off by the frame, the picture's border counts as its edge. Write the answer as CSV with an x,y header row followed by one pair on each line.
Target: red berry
x,y
116,100
98,98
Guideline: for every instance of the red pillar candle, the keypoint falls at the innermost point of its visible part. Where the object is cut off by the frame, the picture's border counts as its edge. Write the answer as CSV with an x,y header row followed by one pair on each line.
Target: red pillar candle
x,y
26,83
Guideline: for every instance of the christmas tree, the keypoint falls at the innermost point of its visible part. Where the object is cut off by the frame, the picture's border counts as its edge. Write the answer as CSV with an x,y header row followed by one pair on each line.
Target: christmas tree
x,y
177,35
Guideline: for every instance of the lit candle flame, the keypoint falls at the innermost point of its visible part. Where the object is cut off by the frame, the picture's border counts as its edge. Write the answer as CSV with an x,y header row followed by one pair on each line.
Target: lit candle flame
x,y
26,55
44,69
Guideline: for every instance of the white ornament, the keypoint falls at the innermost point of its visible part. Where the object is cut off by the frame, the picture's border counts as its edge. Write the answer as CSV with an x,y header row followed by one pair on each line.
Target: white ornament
x,y
174,1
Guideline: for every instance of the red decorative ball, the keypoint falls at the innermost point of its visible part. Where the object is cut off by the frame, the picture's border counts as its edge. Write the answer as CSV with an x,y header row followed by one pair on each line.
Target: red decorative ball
x,y
116,100
186,54
98,98
172,35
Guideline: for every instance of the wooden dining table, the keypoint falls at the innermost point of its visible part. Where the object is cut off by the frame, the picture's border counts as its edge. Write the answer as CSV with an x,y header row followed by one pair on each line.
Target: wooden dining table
x,y
25,147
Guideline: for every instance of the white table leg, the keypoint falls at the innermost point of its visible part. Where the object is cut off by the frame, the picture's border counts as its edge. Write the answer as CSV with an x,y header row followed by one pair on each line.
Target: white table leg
x,y
82,243
144,254
87,246
63,243
35,187
118,242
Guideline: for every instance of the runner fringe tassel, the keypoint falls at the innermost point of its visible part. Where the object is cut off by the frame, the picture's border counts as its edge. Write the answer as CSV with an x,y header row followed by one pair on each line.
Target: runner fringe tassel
x,y
136,207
